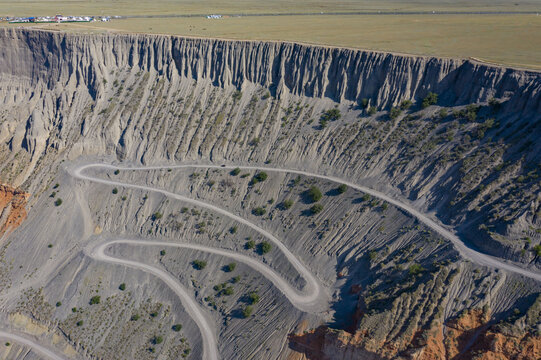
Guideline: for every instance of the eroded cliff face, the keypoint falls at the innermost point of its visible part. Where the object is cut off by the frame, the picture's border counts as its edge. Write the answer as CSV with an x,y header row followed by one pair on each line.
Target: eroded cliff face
x,y
286,68
12,208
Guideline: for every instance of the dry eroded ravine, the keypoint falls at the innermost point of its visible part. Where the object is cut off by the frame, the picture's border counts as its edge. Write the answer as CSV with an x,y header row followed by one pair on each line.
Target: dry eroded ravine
x,y
312,299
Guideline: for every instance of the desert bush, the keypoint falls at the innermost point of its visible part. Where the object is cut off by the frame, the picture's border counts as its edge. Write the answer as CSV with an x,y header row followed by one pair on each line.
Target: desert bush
x,y
156,216
331,115
342,188
314,194
264,247
230,267
430,99
316,208
443,113
235,171
287,203
247,311
249,244
415,269
115,191
372,110
157,340
261,176
406,104
237,95
122,287
176,327
58,202
259,211
199,264
364,103
253,297
94,300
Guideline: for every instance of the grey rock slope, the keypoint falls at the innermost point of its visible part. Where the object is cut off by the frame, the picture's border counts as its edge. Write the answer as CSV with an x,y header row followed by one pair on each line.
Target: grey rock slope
x,y
471,159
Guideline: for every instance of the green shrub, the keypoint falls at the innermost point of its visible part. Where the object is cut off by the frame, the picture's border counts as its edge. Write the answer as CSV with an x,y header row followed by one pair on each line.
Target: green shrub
x,y
372,110
233,229
249,244
316,208
59,303
314,194
443,113
199,264
259,211
235,171
364,103
157,340
80,323
230,267
287,203
366,197
415,269
331,115
156,216
247,311
537,250
135,317
405,104
342,188
237,95
53,194
115,191
95,300
176,327
117,172
56,186
228,291
261,176
50,246
394,113
162,252
122,287
253,297
430,99
8,343
58,202
73,309
264,247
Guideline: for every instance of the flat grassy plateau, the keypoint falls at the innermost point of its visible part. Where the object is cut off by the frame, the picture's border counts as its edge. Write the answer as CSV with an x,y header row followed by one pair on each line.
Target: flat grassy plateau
x,y
509,39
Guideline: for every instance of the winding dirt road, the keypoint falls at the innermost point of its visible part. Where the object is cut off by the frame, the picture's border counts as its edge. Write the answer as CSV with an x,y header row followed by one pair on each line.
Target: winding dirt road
x,y
465,251
28,342
210,348
312,296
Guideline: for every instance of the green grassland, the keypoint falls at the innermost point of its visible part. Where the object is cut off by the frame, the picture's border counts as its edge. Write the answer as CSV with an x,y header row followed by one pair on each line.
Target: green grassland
x,y
510,39
153,7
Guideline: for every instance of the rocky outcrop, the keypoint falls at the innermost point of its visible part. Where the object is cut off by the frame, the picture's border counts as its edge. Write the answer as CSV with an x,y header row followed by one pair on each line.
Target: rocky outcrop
x,y
12,208
468,336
